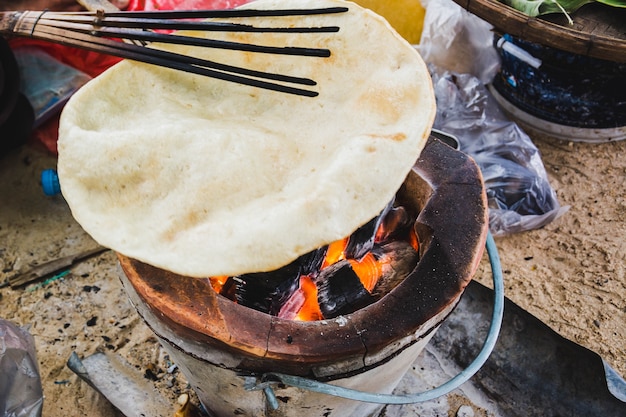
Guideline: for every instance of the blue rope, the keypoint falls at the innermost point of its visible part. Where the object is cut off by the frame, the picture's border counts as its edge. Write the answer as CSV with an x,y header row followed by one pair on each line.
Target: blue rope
x,y
452,384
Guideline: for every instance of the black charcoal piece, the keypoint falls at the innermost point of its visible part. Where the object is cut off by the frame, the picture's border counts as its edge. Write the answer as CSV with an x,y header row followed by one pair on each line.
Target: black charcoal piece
x,y
311,263
268,291
340,291
362,240
396,224
400,259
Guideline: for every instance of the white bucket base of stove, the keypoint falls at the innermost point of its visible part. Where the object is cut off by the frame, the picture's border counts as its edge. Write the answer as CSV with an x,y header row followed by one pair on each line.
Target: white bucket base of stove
x,y
567,133
223,392
222,389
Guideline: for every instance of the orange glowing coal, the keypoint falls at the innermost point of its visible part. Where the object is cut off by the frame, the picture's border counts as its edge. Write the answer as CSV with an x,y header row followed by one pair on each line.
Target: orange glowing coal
x,y
303,303
218,282
368,269
335,252
310,308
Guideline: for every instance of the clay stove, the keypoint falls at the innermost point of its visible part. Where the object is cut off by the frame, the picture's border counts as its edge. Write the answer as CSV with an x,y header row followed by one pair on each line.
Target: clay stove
x,y
222,347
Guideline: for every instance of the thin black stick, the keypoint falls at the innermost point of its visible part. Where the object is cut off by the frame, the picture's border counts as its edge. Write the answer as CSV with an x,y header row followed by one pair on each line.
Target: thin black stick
x,y
174,24
225,13
180,39
183,63
92,31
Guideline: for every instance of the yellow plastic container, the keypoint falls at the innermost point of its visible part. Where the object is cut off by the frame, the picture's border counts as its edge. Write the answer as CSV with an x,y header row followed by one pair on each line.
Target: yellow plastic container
x,y
406,16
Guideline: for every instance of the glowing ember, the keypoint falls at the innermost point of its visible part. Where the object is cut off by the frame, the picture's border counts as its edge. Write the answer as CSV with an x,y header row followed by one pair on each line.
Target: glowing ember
x,y
368,269
336,279
335,252
310,309
218,282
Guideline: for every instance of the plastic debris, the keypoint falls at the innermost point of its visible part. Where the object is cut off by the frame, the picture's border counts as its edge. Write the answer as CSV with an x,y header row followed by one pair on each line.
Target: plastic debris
x,y
121,384
21,393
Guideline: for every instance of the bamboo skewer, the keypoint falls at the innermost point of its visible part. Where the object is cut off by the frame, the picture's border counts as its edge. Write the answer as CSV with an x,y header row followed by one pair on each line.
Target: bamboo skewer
x,y
51,267
96,31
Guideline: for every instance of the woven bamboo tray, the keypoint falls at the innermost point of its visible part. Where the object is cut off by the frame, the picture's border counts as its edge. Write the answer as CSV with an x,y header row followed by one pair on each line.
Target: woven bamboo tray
x,y
599,31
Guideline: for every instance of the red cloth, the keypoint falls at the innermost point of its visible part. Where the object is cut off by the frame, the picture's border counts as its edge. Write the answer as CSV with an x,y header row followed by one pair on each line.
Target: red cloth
x,y
183,4
91,63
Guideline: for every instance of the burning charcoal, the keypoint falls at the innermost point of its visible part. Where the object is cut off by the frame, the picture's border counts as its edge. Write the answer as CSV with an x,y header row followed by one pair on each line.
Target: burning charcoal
x,y
229,289
362,240
340,290
399,259
303,304
290,309
396,224
268,291
311,263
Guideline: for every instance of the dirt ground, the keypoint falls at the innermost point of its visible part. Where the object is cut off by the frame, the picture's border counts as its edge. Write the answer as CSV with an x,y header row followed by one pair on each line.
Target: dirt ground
x,y
569,274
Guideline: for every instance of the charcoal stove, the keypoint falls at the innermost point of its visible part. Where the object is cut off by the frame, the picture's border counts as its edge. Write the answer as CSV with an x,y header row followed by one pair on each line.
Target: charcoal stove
x,y
224,348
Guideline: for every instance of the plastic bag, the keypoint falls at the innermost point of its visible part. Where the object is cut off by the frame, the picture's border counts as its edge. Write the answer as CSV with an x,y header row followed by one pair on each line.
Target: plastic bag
x,y
519,194
46,82
458,46
21,394
456,40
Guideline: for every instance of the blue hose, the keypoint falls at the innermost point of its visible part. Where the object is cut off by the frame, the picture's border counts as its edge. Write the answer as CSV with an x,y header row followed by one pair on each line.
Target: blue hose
x,y
452,384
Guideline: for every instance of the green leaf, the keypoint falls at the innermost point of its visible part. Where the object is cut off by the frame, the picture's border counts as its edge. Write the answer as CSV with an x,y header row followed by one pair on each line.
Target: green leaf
x,y
529,7
539,7
614,3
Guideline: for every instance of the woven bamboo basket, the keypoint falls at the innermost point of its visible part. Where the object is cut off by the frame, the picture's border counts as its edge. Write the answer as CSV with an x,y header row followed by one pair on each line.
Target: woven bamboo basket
x,y
598,31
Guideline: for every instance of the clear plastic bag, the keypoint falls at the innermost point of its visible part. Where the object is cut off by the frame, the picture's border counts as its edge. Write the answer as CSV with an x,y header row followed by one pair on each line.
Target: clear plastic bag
x,y
458,46
455,39
21,394
46,82
519,193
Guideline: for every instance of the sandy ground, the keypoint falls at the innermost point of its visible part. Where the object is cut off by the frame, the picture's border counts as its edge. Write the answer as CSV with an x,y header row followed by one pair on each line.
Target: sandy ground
x,y
569,274
85,311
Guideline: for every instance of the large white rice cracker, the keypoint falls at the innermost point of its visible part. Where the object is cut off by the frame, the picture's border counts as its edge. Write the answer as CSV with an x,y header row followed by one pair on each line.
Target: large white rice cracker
x,y
204,177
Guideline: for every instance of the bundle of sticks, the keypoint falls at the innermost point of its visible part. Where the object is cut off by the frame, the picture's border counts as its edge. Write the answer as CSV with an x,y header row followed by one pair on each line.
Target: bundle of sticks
x,y
128,34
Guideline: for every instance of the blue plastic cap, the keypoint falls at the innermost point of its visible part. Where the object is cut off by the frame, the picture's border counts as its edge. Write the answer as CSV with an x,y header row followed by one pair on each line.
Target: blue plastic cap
x,y
50,182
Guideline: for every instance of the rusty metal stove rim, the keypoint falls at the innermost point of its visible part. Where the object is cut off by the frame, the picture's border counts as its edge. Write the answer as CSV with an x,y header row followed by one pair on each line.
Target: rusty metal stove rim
x,y
271,378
